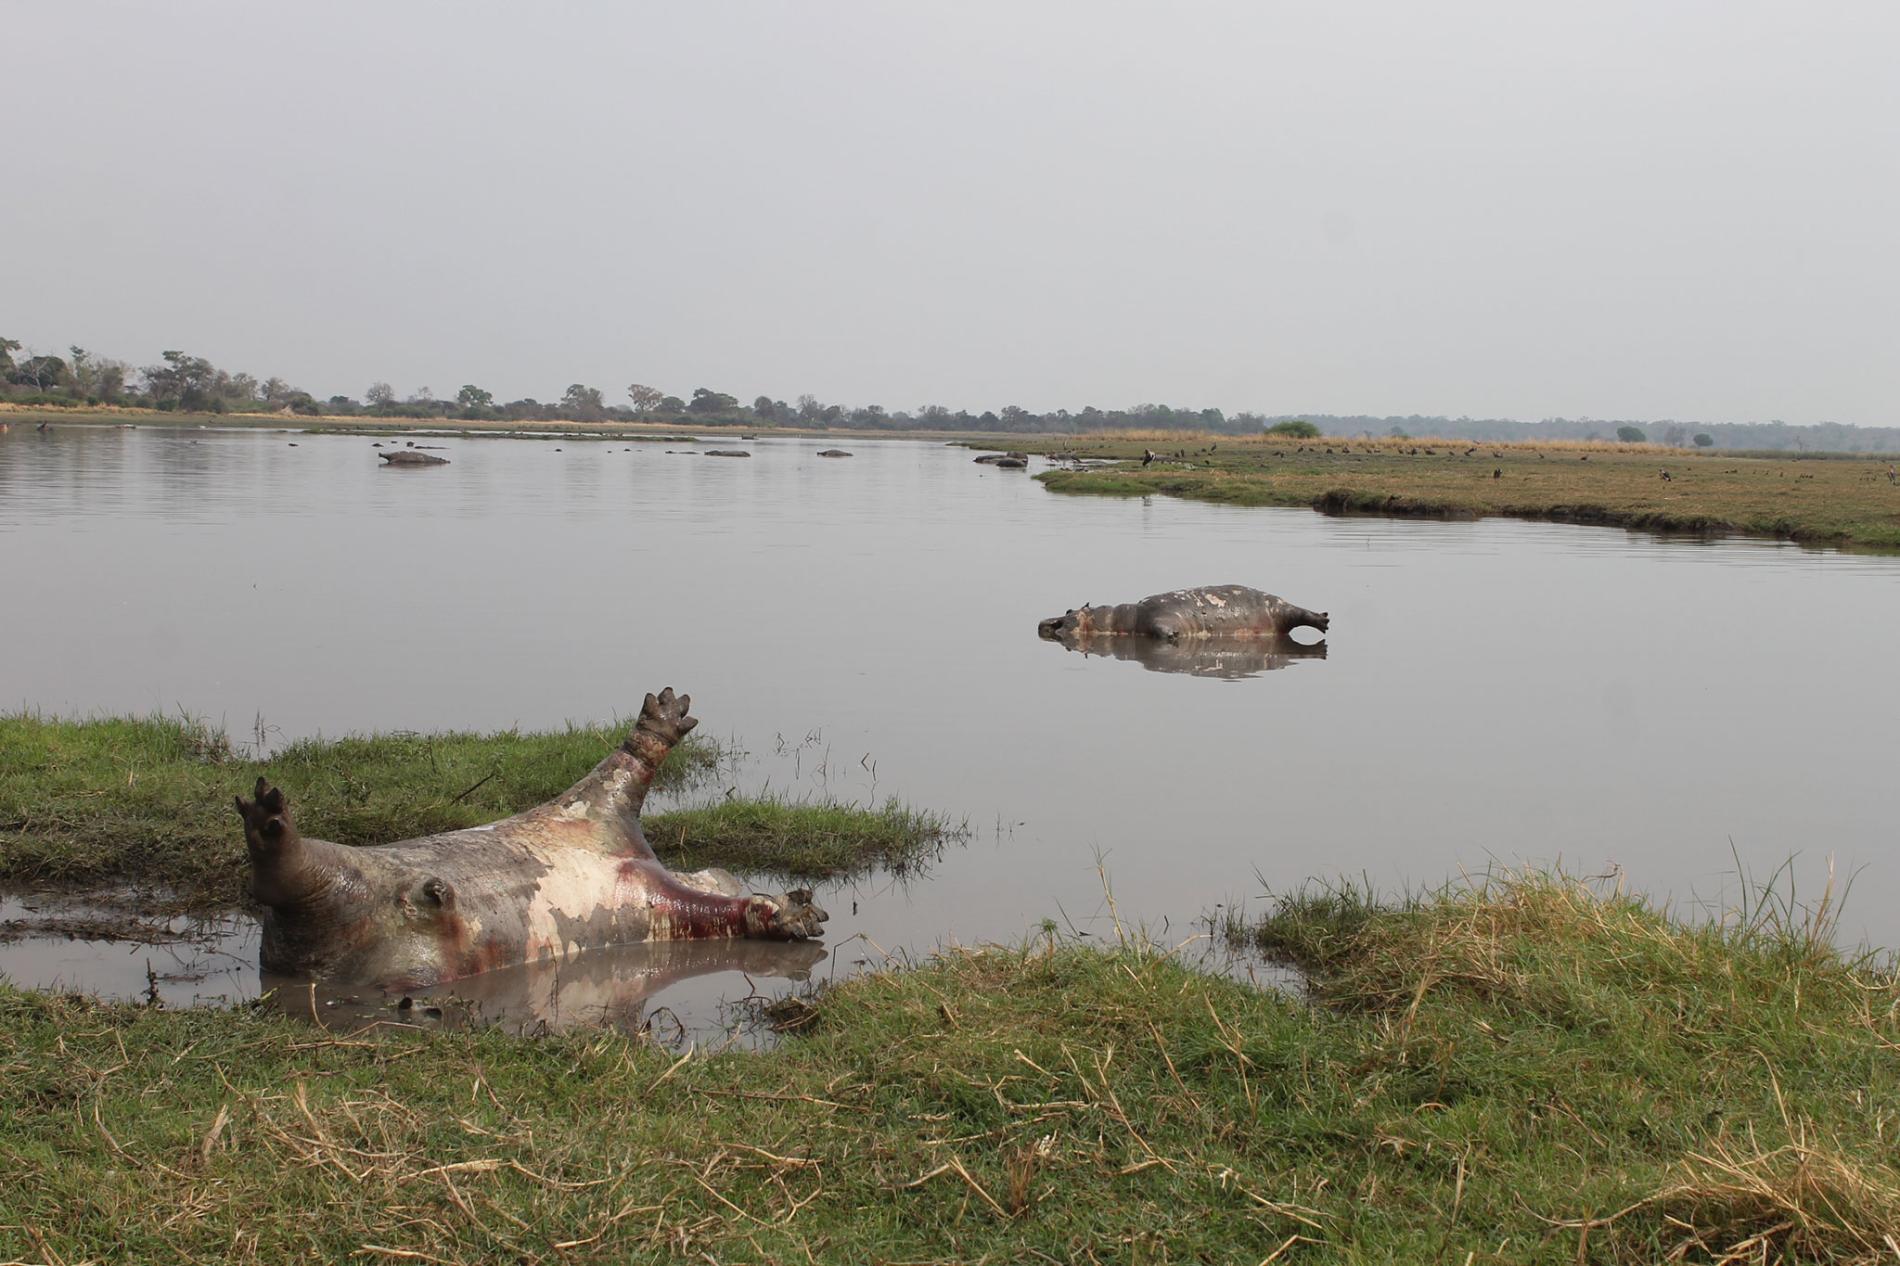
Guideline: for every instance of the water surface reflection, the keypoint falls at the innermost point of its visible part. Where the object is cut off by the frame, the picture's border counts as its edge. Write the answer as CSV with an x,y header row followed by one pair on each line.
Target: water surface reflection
x,y
1234,659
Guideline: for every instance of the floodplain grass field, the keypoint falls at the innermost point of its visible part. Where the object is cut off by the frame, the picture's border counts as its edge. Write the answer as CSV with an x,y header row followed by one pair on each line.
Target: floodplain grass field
x,y
1824,499
1522,1069
148,802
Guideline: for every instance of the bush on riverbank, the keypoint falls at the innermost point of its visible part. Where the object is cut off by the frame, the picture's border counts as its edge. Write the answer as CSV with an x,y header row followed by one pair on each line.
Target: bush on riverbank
x,y
148,802
1525,1071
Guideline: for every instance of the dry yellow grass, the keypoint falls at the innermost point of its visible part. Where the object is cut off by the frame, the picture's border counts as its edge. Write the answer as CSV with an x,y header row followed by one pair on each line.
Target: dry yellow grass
x,y
1836,500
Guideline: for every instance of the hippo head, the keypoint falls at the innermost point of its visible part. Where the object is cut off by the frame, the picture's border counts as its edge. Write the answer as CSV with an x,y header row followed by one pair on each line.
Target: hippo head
x,y
1070,624
331,910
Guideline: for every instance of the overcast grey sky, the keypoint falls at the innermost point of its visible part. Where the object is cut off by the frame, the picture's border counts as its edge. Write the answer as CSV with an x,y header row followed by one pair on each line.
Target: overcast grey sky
x,y
1611,209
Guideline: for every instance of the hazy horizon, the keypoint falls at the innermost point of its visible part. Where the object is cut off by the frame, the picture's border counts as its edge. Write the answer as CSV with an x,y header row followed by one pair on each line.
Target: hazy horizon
x,y
1479,210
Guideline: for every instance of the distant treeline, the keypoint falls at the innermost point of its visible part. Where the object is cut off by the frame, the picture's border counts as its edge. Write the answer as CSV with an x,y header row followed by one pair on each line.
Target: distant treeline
x,y
192,384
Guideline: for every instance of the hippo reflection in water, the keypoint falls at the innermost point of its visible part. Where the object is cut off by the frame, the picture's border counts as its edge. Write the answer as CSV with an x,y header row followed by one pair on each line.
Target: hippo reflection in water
x,y
609,987
1231,658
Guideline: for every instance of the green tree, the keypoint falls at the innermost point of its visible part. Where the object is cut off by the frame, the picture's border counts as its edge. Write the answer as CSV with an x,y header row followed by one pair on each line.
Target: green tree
x,y
1297,430
42,373
583,402
85,371
380,394
109,379
706,400
763,410
1704,440
1631,435
645,399
8,346
184,382
473,397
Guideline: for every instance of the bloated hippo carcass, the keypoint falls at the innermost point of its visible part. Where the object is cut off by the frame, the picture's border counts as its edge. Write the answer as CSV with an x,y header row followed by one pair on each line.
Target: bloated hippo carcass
x,y
567,875
1210,611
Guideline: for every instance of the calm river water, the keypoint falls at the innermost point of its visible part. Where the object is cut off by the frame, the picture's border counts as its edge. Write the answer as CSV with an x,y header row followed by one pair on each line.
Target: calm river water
x,y
1493,692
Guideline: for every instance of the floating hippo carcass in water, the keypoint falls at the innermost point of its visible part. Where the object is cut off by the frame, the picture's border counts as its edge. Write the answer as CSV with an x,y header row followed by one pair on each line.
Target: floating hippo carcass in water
x,y
1210,611
565,876
410,457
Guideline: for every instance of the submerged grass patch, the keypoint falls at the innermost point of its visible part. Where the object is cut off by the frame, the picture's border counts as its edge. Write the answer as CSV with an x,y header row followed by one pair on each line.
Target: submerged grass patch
x,y
1524,1071
148,801
800,839
1843,500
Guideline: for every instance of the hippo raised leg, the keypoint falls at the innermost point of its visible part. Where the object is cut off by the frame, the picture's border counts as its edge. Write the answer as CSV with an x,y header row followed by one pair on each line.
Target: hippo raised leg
x,y
567,875
1209,611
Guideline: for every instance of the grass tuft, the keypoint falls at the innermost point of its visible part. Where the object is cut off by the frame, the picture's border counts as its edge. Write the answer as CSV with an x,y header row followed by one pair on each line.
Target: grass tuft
x,y
147,801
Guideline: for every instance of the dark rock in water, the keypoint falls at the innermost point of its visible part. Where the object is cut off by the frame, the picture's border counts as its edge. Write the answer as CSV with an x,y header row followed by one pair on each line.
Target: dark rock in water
x,y
832,452
727,452
409,457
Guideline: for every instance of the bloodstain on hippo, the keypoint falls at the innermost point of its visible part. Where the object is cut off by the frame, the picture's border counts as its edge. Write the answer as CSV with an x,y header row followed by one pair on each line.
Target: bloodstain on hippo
x,y
1210,611
565,876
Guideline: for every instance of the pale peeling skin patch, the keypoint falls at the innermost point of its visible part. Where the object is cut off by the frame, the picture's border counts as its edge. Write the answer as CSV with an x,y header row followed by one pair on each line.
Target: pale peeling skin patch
x,y
569,875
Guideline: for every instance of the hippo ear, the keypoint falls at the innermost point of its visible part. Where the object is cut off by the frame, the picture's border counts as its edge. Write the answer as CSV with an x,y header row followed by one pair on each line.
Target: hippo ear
x,y
438,893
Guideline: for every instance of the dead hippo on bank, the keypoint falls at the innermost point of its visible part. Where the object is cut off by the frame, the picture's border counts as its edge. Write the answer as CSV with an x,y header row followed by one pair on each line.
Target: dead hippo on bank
x,y
1210,611
565,876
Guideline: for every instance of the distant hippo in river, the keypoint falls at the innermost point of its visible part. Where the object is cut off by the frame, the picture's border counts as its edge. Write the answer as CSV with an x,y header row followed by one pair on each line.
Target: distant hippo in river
x,y
565,876
410,457
1211,611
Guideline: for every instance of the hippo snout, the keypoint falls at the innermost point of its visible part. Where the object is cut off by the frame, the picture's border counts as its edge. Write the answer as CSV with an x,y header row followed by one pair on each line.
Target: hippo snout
x,y
1054,627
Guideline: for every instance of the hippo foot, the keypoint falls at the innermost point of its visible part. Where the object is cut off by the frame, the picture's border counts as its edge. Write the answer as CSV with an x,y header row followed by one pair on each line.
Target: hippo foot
x,y
664,716
793,917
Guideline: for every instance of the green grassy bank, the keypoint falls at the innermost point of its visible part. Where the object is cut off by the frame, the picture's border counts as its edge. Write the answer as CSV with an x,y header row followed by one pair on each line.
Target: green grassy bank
x,y
1522,1072
1837,500
148,801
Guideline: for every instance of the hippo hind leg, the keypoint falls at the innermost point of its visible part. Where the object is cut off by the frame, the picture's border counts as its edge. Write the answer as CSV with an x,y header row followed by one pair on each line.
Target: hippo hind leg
x,y
794,917
1300,618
